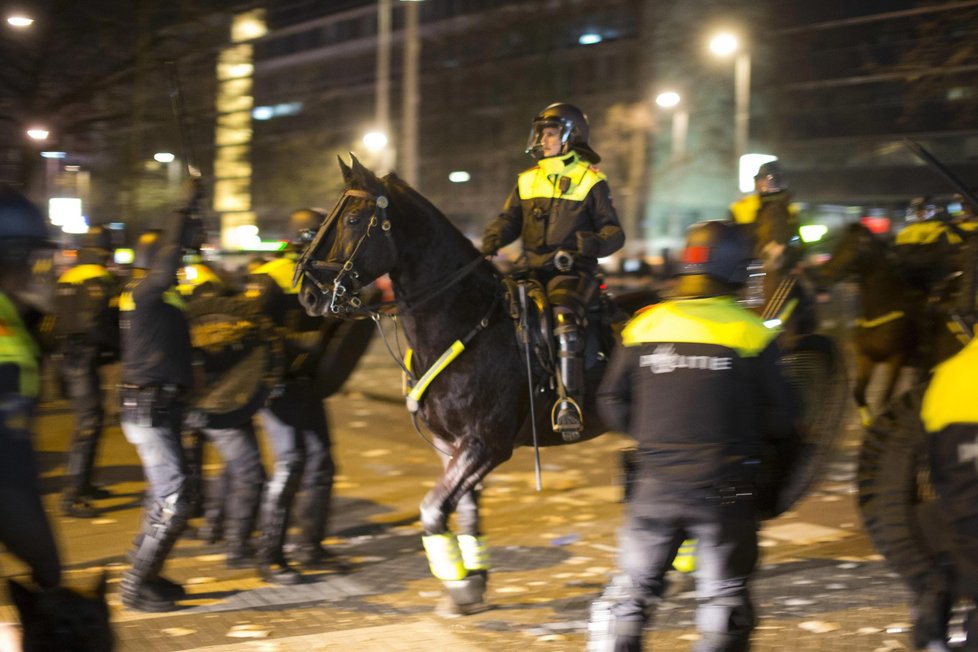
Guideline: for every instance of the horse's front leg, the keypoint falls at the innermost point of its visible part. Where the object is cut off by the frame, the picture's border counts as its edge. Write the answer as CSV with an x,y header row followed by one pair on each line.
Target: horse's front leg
x,y
460,561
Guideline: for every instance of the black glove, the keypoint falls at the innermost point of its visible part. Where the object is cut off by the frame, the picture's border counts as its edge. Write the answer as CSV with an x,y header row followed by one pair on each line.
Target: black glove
x,y
588,244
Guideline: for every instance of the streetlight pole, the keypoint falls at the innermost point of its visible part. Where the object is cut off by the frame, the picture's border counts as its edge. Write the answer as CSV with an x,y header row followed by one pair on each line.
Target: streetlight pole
x,y
742,104
411,96
726,44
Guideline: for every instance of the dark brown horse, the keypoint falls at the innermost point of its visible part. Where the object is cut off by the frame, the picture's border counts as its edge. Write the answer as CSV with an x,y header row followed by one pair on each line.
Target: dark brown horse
x,y
896,326
478,406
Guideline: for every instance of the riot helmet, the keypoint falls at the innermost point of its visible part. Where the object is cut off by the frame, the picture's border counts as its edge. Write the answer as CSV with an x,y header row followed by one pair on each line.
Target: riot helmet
x,y
21,221
303,225
714,261
574,131
770,178
147,246
26,252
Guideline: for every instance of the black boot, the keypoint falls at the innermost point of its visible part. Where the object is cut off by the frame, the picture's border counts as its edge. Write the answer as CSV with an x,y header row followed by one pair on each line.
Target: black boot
x,y
219,492
276,506
76,501
313,517
567,417
242,506
142,588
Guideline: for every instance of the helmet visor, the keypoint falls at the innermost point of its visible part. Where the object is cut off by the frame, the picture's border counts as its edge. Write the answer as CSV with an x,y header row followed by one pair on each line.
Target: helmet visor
x,y
535,144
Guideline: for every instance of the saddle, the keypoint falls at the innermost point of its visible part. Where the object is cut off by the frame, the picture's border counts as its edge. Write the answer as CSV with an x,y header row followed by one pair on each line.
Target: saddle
x,y
534,321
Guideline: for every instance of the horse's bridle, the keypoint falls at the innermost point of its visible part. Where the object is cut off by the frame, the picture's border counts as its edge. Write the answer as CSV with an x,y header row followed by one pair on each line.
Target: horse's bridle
x,y
342,300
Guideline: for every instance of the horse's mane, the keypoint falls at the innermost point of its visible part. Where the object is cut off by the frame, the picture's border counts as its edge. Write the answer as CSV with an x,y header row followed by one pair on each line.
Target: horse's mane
x,y
396,184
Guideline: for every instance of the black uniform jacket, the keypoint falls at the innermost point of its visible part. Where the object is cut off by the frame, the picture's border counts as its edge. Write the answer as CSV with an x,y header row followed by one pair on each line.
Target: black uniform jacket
x,y
560,204
155,335
697,384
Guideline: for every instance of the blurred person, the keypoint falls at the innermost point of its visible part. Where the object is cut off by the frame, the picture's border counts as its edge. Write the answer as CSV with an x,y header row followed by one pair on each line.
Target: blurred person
x,y
295,421
156,378
87,327
26,292
696,383
927,247
950,415
231,503
562,210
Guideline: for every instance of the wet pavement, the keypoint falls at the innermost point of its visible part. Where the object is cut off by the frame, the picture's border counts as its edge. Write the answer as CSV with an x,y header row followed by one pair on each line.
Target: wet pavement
x,y
820,586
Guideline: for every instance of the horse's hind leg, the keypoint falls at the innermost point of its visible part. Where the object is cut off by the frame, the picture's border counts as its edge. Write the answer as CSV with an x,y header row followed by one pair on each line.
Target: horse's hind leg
x,y
461,561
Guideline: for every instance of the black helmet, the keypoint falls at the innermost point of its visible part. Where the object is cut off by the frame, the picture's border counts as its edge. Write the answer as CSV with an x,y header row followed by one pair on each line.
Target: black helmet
x,y
147,247
21,221
714,260
774,175
574,131
303,225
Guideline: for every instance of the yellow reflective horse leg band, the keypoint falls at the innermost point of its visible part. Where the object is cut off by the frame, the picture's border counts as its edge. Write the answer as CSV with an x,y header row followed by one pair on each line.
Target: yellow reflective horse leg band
x,y
475,554
444,556
685,561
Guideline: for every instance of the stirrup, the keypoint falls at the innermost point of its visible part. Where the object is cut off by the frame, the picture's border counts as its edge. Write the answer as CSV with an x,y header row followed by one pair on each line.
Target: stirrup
x,y
572,423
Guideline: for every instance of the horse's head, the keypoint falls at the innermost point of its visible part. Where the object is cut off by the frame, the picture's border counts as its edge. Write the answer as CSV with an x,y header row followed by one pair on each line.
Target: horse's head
x,y
856,248
351,249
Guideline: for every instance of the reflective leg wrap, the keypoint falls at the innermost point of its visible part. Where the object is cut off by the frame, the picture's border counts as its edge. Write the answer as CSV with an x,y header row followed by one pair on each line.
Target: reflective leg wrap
x,y
475,553
685,560
444,556
606,632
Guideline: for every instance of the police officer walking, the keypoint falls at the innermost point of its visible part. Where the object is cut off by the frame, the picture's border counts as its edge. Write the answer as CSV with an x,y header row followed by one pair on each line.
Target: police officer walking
x,y
26,291
950,415
562,209
156,376
87,325
696,382
295,421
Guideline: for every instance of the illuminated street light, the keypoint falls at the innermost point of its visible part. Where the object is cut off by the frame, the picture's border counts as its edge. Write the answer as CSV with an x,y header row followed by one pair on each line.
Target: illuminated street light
x,y
164,157
725,44
375,141
38,133
667,99
680,122
19,21
459,176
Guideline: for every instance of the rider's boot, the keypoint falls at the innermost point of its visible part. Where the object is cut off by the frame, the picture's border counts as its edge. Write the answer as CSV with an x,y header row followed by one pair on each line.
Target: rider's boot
x,y
568,419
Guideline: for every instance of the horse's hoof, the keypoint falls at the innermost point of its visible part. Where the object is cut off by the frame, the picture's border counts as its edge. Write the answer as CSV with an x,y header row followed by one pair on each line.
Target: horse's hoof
x,y
448,608
464,597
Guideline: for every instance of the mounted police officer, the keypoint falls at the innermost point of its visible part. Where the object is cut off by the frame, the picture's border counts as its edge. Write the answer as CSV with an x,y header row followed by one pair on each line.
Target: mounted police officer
x,y
696,382
26,291
294,421
156,377
562,209
87,325
950,415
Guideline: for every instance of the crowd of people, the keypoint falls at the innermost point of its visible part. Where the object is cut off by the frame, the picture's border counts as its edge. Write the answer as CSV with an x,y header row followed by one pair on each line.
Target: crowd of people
x,y
695,380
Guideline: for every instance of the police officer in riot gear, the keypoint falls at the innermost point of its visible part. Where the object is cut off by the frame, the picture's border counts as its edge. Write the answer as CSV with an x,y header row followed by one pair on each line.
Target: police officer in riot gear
x,y
26,291
156,376
562,209
696,382
295,421
231,507
950,415
87,326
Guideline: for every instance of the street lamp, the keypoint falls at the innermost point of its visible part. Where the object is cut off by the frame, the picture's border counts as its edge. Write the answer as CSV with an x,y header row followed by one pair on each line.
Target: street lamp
x,y
680,122
725,44
20,21
38,133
